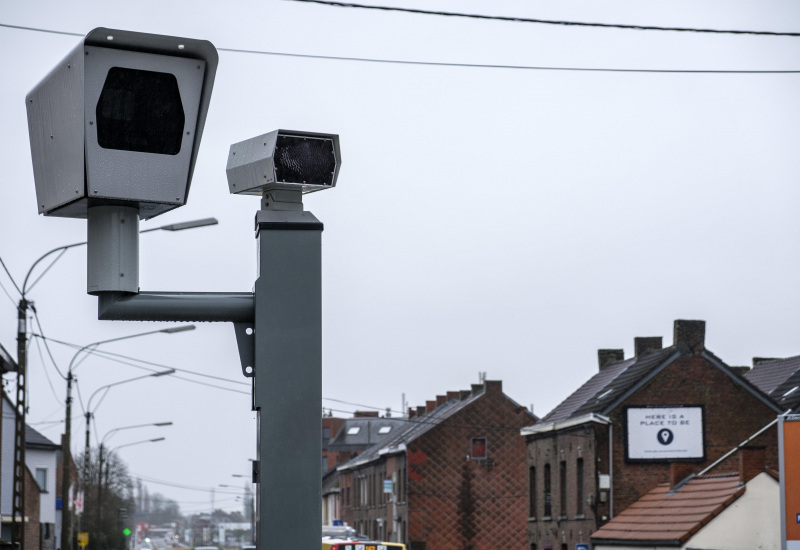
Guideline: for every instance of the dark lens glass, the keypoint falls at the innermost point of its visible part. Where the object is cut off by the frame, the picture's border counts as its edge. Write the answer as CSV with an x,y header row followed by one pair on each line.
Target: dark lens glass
x,y
307,160
140,111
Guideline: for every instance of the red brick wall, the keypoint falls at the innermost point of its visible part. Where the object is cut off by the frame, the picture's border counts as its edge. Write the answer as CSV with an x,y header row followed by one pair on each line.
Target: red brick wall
x,y
453,502
567,446
731,415
456,502
32,506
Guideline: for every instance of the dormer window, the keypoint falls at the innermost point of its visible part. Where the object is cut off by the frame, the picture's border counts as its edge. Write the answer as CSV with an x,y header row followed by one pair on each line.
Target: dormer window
x,y
354,430
384,430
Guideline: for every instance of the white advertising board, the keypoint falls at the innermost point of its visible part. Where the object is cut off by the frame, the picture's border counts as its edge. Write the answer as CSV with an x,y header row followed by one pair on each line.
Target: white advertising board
x,y
665,433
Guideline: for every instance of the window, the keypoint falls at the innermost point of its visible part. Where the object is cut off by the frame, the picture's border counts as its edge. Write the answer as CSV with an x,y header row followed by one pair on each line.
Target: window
x,y
532,491
354,430
579,487
41,478
384,430
562,473
479,447
548,509
326,434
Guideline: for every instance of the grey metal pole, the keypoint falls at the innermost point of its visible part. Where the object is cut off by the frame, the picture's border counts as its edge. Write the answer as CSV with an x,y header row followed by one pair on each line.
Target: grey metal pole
x,y
288,377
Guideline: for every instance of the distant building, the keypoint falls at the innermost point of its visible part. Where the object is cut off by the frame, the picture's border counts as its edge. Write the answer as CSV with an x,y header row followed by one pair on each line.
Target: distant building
x,y
41,460
452,476
615,438
350,437
735,511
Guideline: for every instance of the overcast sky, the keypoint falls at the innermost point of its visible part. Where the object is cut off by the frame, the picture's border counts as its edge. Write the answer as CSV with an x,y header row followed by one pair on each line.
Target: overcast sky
x,y
507,221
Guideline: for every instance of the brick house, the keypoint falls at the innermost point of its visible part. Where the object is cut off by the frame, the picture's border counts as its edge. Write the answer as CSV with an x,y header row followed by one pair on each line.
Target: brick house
x,y
615,438
342,440
452,477
41,458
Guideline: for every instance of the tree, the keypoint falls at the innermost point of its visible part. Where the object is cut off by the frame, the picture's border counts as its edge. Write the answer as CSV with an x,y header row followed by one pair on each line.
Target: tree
x,y
108,500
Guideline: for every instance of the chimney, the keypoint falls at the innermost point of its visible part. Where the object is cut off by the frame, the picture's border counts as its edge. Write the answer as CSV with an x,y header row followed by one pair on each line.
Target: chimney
x,y
452,395
494,386
464,394
752,461
430,405
643,345
689,336
412,412
365,414
679,471
420,410
477,389
441,400
607,356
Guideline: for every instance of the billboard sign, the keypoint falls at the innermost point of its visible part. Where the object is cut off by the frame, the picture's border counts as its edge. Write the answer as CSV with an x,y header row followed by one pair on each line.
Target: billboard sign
x,y
664,433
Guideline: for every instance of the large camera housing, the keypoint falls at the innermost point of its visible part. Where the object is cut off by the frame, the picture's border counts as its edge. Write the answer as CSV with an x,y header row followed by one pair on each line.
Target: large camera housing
x,y
119,122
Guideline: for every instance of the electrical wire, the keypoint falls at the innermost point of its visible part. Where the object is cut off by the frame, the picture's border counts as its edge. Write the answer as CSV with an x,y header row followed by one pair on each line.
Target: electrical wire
x,y
458,65
43,273
16,305
180,486
543,21
118,357
13,282
46,346
46,375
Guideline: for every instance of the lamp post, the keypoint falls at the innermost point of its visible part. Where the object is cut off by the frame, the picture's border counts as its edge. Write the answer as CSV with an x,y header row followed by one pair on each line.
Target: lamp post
x,y
100,458
18,498
90,413
66,524
117,448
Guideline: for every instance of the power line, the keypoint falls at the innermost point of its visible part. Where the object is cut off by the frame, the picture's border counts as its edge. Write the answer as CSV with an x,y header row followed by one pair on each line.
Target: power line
x,y
543,21
457,65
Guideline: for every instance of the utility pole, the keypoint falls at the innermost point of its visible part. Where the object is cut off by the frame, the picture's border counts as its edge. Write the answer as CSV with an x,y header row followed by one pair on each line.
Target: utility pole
x,y
18,508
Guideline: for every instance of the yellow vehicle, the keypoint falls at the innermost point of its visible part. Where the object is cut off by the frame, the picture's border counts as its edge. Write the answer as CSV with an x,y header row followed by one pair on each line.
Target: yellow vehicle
x,y
342,544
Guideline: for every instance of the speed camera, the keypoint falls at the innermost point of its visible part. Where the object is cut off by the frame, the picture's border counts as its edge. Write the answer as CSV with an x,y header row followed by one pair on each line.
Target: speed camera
x,y
284,160
119,122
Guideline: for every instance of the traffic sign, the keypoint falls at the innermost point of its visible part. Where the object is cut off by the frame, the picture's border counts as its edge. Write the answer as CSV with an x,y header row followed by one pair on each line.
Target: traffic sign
x,y
83,539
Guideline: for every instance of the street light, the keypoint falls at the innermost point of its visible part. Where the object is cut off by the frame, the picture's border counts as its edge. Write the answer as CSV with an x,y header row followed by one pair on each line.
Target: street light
x,y
66,526
21,368
100,452
89,413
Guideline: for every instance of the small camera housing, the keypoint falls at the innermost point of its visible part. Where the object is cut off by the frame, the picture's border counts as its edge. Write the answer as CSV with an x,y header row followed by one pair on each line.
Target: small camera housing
x,y
284,160
119,122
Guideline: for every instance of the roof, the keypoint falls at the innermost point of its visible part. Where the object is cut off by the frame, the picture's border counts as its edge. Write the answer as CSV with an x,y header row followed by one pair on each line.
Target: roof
x,y
363,432
35,440
604,391
605,387
669,517
7,363
780,379
411,429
